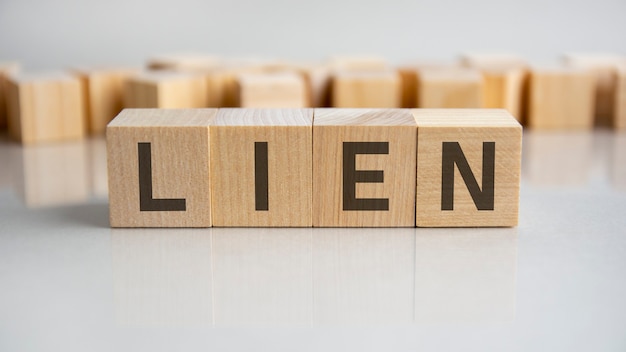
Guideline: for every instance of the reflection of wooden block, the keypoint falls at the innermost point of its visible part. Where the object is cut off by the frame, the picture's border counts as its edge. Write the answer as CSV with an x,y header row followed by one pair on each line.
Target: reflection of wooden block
x,y
362,89
363,168
44,108
620,99
184,62
450,88
103,90
468,141
166,90
158,165
271,90
261,167
6,69
603,68
560,98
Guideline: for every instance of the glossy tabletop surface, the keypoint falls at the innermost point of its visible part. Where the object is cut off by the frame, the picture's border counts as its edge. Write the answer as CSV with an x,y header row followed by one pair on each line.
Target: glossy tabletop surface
x,y
557,282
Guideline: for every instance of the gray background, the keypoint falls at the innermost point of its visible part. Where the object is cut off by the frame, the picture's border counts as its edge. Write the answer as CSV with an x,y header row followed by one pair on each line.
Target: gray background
x,y
46,34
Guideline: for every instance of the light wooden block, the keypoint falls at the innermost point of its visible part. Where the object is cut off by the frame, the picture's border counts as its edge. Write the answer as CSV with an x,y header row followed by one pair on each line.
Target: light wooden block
x,y
166,90
45,107
358,63
364,168
271,90
450,88
409,77
158,166
6,69
261,167
184,62
560,98
620,99
365,89
603,67
485,147
317,80
103,90
488,60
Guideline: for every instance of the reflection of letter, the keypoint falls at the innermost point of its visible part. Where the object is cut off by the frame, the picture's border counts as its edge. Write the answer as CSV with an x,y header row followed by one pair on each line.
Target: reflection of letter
x,y
146,202
260,176
452,154
351,176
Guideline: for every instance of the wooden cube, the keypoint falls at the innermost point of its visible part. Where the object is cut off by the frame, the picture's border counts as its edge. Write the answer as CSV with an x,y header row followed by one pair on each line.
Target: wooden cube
x,y
366,89
261,162
317,79
409,77
184,62
358,63
560,98
166,90
45,107
158,166
619,121
485,147
271,90
6,69
364,168
489,60
450,88
103,89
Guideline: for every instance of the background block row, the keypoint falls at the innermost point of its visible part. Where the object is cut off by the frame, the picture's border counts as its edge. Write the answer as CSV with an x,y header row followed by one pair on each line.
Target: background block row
x,y
313,167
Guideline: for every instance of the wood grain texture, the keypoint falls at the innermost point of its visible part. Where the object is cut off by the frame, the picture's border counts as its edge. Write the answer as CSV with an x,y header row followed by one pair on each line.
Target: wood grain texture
x,y
103,90
450,88
470,129
560,98
366,89
179,155
166,90
620,99
6,69
332,128
45,107
288,160
271,90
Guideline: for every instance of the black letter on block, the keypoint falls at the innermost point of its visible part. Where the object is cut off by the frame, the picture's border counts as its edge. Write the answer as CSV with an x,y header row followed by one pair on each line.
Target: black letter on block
x,y
146,202
260,176
452,154
351,176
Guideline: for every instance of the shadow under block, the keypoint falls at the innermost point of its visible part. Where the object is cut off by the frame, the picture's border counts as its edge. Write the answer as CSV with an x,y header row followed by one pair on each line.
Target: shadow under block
x,y
450,88
364,166
620,99
166,90
104,91
261,167
469,164
6,69
365,89
560,98
158,165
45,108
271,90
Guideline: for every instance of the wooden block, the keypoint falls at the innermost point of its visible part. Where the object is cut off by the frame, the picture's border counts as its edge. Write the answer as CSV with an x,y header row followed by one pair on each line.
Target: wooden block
x,y
560,98
158,166
358,63
363,89
450,88
166,90
364,168
317,80
261,167
409,77
619,121
6,69
184,62
489,60
485,147
271,90
603,67
45,107
103,89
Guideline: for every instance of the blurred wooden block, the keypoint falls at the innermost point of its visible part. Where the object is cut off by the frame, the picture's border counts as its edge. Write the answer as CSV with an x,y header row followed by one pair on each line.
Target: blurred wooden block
x,y
358,63
45,107
6,69
620,99
560,98
261,164
409,77
271,90
166,90
450,88
317,79
366,89
364,168
158,166
489,60
603,67
103,89
485,147
184,62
